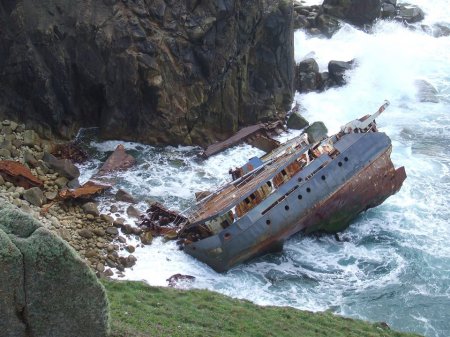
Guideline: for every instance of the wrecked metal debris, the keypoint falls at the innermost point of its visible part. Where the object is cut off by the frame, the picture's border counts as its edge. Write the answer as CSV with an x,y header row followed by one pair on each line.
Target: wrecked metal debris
x,y
117,161
257,135
18,174
86,191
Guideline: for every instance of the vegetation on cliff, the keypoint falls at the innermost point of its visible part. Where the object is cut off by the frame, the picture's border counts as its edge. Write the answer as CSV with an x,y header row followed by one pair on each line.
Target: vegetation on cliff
x,y
138,310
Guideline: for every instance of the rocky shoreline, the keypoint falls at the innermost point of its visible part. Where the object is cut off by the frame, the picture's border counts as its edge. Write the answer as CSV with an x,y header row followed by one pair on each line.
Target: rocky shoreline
x,y
100,239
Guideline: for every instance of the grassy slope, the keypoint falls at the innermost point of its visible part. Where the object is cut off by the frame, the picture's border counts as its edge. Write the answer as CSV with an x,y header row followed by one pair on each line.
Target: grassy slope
x,y
139,310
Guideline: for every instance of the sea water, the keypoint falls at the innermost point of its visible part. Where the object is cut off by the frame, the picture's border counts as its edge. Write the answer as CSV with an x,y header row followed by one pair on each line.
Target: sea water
x,y
393,263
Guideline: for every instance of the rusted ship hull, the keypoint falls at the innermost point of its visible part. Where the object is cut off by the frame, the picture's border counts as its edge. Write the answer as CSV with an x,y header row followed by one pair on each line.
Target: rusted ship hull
x,y
335,213
325,197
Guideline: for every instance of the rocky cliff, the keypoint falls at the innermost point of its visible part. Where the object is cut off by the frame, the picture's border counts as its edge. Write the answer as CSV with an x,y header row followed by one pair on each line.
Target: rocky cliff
x,y
45,288
155,71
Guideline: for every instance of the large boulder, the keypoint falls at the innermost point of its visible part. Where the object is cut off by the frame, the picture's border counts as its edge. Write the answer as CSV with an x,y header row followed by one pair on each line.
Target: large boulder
x,y
64,167
337,69
307,76
357,12
409,13
316,132
157,71
45,287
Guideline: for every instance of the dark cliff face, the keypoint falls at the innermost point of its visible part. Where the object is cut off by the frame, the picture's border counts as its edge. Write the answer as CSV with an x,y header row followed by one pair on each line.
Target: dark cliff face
x,y
160,71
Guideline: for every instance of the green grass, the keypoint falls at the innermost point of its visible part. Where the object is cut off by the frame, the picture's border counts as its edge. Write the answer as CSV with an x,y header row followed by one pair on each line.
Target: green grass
x,y
138,310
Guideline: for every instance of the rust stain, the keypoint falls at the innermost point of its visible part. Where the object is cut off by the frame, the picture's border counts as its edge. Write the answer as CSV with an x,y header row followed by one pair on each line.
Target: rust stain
x,y
18,174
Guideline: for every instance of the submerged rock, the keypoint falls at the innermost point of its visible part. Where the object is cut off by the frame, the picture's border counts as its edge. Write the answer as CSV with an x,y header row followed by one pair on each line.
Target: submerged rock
x,y
426,92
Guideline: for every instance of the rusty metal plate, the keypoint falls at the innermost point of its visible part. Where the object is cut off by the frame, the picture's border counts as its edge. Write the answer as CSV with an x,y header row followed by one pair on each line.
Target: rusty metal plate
x,y
18,174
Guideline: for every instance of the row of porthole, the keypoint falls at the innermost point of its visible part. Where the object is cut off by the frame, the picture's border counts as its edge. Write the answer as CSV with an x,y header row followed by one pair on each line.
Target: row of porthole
x,y
300,197
340,163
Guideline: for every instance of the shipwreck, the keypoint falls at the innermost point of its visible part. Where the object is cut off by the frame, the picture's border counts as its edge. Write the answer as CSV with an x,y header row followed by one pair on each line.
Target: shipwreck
x,y
298,186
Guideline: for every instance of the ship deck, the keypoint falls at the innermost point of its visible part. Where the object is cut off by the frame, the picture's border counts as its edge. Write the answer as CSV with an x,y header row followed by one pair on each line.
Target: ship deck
x,y
234,192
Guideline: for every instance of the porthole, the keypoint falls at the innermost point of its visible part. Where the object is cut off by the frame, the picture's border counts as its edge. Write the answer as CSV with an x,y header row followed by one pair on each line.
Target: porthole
x,y
308,190
267,222
340,164
227,236
300,180
345,159
286,207
323,178
300,197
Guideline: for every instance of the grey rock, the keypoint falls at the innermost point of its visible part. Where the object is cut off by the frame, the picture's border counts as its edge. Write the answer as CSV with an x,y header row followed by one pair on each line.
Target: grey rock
x,y
4,153
337,69
327,24
17,143
51,195
37,260
297,122
133,212
64,167
119,222
15,153
31,138
124,196
146,238
409,13
357,12
388,11
112,231
74,183
99,232
13,125
308,66
86,233
64,233
91,208
316,132
6,130
34,196
61,182
6,144
441,29
107,218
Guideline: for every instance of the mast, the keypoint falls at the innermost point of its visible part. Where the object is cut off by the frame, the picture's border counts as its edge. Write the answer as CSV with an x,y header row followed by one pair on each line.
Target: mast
x,y
360,126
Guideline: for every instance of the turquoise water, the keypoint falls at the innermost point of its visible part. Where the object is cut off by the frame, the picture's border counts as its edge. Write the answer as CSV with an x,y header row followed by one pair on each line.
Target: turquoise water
x,y
393,263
